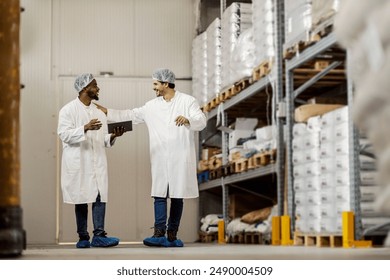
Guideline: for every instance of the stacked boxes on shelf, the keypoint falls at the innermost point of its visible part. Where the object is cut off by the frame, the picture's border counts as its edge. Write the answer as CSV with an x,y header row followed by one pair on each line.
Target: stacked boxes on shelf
x,y
334,161
306,158
321,172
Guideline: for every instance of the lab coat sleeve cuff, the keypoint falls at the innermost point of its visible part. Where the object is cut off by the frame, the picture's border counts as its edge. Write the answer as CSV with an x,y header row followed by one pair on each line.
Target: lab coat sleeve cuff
x,y
108,142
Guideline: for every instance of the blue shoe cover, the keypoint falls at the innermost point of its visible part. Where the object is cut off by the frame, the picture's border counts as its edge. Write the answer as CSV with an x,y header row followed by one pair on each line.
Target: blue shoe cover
x,y
104,241
155,241
83,244
174,243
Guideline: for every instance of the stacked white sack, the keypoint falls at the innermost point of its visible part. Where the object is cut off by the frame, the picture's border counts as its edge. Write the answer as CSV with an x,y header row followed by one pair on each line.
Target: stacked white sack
x,y
243,57
235,19
298,21
199,68
214,59
263,19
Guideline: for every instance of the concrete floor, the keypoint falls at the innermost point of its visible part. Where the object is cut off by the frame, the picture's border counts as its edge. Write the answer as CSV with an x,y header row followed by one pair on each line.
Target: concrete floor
x,y
203,251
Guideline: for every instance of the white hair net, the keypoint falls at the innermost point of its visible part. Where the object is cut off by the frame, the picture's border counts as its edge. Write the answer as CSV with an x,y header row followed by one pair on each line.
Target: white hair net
x,y
164,75
82,81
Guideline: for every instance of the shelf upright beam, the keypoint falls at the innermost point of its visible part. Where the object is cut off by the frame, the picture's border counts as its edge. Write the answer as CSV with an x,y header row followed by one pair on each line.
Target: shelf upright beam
x,y
225,202
223,6
289,138
291,96
280,157
225,152
354,165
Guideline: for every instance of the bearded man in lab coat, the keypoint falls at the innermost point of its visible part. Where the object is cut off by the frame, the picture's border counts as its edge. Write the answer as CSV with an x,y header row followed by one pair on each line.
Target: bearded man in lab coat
x,y
171,119
82,128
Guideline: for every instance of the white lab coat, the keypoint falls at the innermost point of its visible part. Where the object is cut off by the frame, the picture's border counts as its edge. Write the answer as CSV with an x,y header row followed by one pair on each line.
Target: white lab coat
x,y
84,162
172,148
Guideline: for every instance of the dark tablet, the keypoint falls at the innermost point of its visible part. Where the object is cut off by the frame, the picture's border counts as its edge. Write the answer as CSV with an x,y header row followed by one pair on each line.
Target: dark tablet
x,y
128,126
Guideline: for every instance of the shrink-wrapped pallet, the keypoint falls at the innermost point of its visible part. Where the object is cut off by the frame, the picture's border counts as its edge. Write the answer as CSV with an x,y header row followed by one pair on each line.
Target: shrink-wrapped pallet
x,y
263,18
235,19
323,10
243,58
214,59
298,21
199,68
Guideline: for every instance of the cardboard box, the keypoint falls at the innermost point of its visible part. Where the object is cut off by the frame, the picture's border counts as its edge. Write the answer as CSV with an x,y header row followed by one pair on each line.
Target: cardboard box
x,y
207,153
304,112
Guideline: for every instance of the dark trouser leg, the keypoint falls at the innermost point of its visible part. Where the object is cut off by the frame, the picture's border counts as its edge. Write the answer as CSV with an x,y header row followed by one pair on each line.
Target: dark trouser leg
x,y
81,211
160,213
174,217
98,216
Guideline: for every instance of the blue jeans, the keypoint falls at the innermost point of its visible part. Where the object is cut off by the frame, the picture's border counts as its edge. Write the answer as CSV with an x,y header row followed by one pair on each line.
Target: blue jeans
x,y
160,213
98,215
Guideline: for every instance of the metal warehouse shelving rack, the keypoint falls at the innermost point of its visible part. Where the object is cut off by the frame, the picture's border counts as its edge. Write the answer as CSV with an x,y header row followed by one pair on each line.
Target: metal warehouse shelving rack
x,y
293,84
276,170
224,183
319,50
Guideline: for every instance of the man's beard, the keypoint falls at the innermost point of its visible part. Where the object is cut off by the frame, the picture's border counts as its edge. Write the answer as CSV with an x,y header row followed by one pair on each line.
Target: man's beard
x,y
92,95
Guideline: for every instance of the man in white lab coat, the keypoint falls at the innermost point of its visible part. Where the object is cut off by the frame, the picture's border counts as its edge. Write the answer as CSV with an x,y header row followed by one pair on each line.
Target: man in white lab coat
x,y
82,129
171,119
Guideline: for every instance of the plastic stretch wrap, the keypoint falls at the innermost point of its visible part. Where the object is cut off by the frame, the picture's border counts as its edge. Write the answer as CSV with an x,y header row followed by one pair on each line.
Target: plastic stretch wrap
x,y
243,58
263,30
199,68
298,21
323,10
235,20
214,59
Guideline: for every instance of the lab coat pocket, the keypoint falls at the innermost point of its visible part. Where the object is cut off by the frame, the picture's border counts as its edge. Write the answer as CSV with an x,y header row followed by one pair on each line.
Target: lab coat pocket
x,y
71,160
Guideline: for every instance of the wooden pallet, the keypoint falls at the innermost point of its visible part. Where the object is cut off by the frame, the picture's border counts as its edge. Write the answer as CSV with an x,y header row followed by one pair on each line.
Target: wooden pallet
x,y
321,30
216,173
241,85
227,169
262,70
262,159
296,48
239,165
252,163
253,238
315,35
238,238
208,237
214,163
319,240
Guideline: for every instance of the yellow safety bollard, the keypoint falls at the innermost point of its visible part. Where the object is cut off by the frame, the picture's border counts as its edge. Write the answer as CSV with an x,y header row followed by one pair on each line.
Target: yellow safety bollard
x,y
275,230
286,231
221,232
348,225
